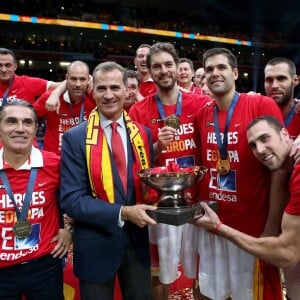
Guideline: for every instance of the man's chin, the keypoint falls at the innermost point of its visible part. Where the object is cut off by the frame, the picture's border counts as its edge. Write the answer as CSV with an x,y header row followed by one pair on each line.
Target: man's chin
x,y
4,80
166,87
271,166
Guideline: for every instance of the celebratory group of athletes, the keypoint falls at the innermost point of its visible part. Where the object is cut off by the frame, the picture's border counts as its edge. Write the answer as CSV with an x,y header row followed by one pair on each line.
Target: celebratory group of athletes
x,y
212,131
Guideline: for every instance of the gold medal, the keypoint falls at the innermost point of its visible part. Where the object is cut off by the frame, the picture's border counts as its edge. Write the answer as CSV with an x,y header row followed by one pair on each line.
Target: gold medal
x,y
223,166
172,121
22,229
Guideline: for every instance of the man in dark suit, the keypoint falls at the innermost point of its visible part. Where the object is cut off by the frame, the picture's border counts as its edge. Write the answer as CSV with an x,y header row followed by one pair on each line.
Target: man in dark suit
x,y
111,236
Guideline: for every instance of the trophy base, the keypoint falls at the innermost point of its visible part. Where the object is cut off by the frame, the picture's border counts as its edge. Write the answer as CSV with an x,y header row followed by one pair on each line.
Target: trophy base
x,y
179,215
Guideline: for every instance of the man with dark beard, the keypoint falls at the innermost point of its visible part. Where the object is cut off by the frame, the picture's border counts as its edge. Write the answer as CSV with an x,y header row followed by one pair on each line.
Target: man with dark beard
x,y
280,81
271,145
170,244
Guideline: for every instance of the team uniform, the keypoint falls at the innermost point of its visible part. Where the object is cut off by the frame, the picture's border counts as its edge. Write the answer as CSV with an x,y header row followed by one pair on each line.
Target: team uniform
x,y
147,87
68,116
293,207
169,242
242,195
294,126
33,252
292,275
194,90
25,88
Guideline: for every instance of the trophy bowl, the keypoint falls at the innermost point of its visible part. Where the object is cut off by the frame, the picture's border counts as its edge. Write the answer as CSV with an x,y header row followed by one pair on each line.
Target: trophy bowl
x,y
173,205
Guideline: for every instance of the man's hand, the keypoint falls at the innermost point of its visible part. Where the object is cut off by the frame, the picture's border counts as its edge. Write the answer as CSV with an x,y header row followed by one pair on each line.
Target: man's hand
x,y
90,85
297,107
137,214
64,240
53,103
295,152
164,137
209,220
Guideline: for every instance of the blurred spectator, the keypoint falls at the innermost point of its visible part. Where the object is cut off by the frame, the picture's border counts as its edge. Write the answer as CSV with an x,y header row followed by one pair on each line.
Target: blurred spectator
x,y
133,94
185,74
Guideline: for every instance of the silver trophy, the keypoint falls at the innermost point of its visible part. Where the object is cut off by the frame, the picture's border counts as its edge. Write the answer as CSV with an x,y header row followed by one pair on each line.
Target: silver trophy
x,y
173,201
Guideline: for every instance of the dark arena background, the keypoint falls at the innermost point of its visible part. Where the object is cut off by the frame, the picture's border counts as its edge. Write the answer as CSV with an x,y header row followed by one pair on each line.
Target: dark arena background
x,y
46,35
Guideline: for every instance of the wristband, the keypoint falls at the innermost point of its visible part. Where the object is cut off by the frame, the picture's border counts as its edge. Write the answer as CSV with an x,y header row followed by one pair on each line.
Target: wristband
x,y
216,228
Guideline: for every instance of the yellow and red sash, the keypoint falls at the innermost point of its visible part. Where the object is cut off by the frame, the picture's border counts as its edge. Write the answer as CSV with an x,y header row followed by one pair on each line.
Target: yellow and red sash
x,y
267,282
99,162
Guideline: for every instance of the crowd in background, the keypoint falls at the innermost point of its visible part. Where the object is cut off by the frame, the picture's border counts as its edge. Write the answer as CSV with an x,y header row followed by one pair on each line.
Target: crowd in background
x,y
120,13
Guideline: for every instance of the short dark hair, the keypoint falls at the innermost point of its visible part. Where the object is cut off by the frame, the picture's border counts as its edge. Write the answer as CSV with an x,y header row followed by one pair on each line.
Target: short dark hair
x,y
5,51
271,120
18,102
216,51
187,60
142,46
280,60
134,74
162,47
110,66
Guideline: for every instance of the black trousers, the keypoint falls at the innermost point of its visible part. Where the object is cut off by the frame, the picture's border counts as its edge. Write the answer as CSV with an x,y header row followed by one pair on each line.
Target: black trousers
x,y
134,279
39,279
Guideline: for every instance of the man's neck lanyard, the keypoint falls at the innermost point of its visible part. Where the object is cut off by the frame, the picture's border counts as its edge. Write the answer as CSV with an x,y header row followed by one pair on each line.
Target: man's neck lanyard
x,y
21,215
290,115
81,116
5,95
223,146
161,108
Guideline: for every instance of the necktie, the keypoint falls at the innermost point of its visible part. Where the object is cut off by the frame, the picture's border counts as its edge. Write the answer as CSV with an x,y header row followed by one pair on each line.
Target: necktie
x,y
119,154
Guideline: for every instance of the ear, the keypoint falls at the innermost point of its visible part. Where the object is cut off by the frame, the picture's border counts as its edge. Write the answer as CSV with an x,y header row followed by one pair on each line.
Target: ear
x,y
126,92
295,80
235,73
284,134
15,67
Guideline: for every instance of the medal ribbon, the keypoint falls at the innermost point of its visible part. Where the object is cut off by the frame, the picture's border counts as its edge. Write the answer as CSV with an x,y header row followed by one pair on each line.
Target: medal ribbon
x,y
289,117
161,108
4,98
21,215
223,146
81,116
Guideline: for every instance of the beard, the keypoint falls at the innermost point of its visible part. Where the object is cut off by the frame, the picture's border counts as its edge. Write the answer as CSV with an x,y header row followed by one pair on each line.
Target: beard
x,y
166,86
286,97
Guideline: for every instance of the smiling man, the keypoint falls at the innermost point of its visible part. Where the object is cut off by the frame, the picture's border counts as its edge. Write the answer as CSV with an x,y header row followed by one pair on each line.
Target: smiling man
x,y
75,106
239,183
170,244
31,241
280,82
13,86
105,201
271,145
185,73
133,84
147,86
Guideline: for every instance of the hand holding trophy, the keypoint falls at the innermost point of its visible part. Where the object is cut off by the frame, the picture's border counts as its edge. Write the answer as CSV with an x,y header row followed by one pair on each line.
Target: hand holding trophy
x,y
171,183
